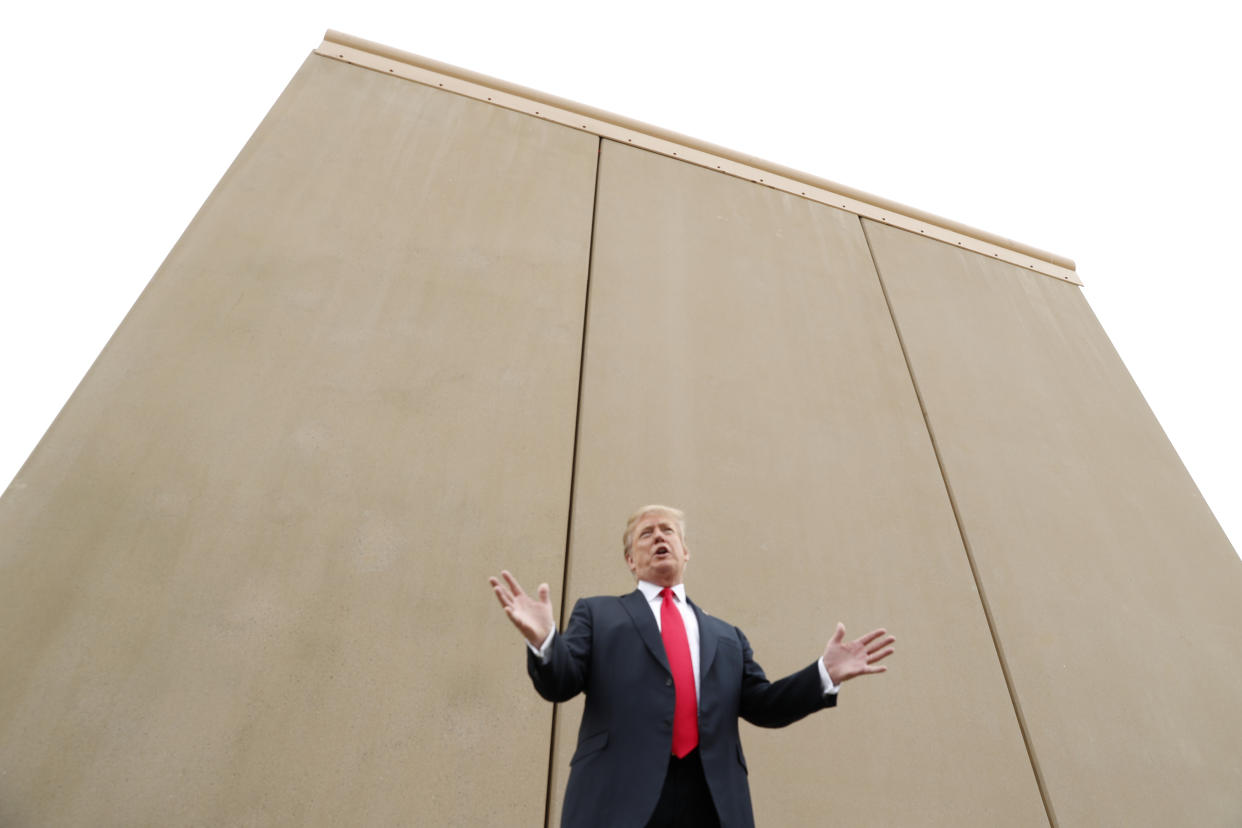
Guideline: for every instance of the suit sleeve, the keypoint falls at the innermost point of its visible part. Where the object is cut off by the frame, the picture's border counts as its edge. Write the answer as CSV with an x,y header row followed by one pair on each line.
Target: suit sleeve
x,y
782,702
567,670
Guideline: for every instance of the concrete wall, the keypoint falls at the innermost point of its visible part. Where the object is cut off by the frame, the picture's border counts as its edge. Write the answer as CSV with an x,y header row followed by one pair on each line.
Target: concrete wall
x,y
244,574
413,338
741,361
1116,597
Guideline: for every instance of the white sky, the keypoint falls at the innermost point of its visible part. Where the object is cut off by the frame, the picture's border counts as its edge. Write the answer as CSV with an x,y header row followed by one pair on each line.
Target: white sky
x,y
1106,132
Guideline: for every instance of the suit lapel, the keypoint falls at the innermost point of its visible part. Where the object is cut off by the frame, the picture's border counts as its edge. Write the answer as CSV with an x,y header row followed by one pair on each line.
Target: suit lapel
x,y
635,604
707,641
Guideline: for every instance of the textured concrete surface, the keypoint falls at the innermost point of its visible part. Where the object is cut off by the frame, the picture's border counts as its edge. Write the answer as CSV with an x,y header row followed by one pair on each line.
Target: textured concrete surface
x,y
242,579
1116,596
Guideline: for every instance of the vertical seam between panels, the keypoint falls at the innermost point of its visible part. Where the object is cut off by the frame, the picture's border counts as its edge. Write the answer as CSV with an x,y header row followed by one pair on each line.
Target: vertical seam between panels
x,y
961,530
573,464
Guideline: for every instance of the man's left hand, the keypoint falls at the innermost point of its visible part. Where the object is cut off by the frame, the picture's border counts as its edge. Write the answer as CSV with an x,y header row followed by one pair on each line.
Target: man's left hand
x,y
846,659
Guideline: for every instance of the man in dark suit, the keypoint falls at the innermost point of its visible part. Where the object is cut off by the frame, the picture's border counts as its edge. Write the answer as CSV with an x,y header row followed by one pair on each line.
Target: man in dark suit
x,y
665,684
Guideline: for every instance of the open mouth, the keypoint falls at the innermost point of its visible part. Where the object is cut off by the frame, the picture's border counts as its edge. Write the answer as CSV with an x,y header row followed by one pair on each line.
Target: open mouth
x,y
662,550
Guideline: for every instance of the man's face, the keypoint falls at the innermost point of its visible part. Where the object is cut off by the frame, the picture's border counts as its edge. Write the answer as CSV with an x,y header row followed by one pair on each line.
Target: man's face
x,y
657,553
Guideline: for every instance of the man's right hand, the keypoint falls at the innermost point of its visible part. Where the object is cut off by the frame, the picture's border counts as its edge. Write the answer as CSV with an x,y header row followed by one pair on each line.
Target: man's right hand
x,y
532,616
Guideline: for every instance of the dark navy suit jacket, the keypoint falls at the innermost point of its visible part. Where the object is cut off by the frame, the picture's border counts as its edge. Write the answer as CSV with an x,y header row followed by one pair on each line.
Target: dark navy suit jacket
x,y
612,651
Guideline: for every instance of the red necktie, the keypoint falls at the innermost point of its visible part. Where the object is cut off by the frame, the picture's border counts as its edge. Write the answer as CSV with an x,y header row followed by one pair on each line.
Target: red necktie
x,y
677,647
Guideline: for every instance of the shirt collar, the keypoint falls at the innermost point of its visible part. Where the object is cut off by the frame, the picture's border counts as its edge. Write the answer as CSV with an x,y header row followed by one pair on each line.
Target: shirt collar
x,y
652,592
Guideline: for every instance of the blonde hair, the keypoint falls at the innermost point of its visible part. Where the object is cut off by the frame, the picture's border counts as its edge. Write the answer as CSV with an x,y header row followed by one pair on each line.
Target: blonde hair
x,y
627,538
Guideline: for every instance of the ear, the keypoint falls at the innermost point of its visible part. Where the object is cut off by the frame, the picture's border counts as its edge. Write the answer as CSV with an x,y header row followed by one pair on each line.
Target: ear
x,y
629,561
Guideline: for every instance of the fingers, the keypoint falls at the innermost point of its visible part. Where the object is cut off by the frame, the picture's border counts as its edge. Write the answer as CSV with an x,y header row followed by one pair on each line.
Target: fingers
x,y
512,582
508,592
544,594
876,649
839,635
872,636
872,658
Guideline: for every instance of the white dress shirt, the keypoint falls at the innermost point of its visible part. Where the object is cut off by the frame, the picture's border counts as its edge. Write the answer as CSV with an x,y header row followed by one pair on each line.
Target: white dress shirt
x,y
656,602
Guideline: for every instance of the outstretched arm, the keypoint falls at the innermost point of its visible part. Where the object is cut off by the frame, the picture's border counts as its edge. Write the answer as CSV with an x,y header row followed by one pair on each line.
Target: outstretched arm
x,y
532,616
845,660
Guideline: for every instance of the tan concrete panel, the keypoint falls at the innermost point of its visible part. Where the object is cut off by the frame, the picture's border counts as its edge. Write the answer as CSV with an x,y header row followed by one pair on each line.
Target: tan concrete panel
x,y
243,577
741,363
1117,597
